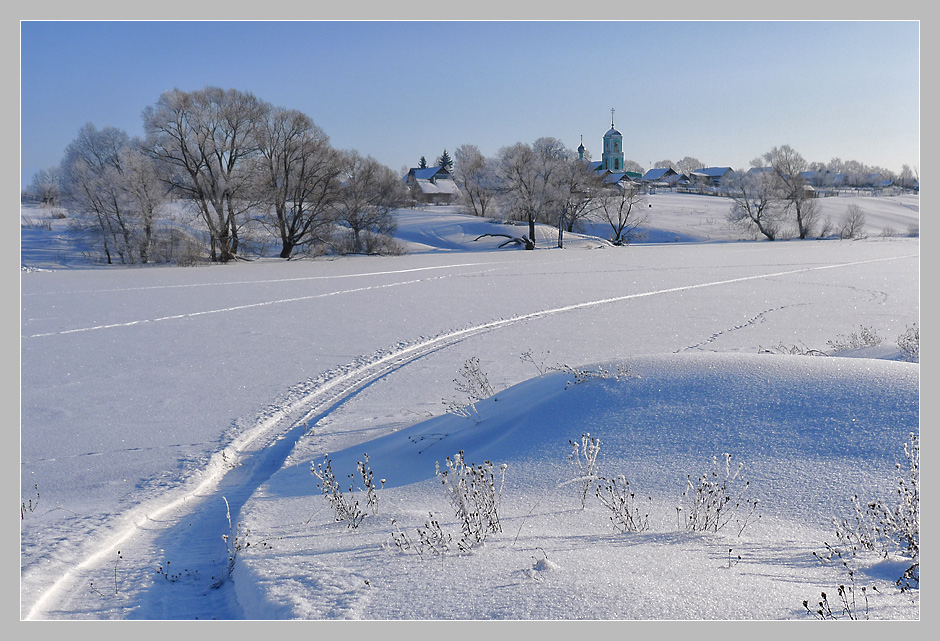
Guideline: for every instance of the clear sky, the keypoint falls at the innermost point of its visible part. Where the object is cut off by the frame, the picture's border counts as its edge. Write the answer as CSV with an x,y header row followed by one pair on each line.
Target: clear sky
x,y
723,92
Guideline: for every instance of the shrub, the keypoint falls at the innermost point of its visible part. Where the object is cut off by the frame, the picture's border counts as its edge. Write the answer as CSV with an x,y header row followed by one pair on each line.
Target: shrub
x,y
882,525
472,492
909,344
617,496
431,538
346,506
474,385
865,337
716,498
584,456
852,224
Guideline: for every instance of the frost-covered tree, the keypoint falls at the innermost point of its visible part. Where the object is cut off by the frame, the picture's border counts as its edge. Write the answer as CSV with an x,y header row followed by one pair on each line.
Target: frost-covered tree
x,y
204,139
423,163
688,164
755,202
789,166
577,186
90,179
298,173
369,192
44,187
621,207
528,179
114,190
145,193
474,175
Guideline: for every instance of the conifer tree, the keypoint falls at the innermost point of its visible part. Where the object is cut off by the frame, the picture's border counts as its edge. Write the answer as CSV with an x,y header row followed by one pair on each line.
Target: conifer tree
x,y
445,161
422,164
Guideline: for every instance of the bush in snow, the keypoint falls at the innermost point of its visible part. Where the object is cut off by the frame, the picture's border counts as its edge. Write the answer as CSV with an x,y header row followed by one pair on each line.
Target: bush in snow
x,y
909,344
431,538
852,223
617,495
472,492
582,375
850,608
346,505
474,385
864,337
584,457
886,525
716,498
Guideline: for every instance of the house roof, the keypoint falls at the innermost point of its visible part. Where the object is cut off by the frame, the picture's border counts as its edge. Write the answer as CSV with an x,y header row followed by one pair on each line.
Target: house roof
x,y
712,172
658,173
428,173
441,186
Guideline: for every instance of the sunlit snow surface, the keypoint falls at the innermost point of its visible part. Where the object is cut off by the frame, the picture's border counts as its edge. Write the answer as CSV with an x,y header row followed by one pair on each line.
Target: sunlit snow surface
x,y
153,396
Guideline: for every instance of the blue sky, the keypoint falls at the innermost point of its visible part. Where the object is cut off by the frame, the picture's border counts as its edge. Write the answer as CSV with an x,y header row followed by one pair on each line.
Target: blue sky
x,y
723,92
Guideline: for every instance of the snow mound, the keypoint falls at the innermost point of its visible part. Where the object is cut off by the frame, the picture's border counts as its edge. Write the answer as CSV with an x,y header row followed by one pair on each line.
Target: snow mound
x,y
798,424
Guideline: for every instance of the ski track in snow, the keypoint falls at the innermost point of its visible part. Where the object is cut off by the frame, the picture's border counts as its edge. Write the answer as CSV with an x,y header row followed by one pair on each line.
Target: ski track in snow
x,y
390,272
252,457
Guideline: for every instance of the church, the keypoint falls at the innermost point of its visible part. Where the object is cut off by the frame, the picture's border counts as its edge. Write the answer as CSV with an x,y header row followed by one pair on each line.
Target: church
x,y
610,167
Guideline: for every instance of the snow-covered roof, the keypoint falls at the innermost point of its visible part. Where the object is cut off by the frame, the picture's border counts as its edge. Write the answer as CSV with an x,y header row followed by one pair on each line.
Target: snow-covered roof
x,y
659,172
712,172
612,132
440,186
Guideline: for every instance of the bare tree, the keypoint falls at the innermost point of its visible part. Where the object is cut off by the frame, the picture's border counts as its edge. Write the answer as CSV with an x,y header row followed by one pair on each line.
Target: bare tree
x,y
474,175
755,202
528,180
145,192
852,223
205,138
368,195
90,179
620,206
789,165
577,187
299,174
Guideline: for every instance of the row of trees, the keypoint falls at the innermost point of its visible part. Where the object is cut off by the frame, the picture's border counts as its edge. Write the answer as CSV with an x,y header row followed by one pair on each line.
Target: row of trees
x,y
544,182
239,162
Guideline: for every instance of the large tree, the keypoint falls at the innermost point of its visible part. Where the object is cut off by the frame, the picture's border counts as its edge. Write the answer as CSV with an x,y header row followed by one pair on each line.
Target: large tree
x,y
90,180
299,173
621,207
755,201
528,179
205,138
368,195
688,164
44,188
474,175
788,165
577,187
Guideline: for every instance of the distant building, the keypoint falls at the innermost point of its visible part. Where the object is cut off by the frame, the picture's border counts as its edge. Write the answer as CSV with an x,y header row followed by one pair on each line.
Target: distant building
x,y
612,156
660,177
610,168
432,185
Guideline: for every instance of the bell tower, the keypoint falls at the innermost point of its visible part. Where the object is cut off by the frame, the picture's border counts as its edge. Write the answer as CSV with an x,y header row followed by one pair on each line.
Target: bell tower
x,y
612,156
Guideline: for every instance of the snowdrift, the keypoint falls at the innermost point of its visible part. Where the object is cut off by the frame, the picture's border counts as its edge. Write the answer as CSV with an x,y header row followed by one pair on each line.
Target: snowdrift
x,y
800,426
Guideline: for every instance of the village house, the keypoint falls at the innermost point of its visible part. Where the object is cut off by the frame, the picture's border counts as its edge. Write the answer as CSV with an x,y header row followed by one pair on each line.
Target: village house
x,y
431,185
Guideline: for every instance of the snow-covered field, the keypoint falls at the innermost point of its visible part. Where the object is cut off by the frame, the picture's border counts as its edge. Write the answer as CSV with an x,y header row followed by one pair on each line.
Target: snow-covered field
x,y
155,399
